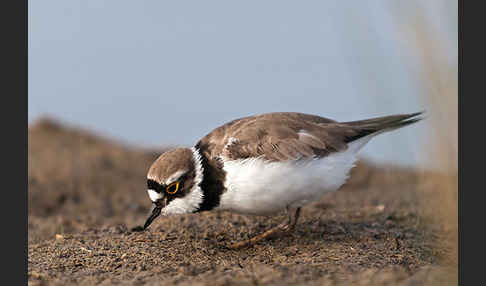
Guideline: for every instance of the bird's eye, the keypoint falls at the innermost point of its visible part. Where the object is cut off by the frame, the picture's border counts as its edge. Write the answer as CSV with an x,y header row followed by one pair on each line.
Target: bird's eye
x,y
172,188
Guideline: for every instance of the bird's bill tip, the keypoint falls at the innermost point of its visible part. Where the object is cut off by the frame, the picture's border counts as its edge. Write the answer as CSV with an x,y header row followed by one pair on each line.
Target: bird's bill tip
x,y
155,213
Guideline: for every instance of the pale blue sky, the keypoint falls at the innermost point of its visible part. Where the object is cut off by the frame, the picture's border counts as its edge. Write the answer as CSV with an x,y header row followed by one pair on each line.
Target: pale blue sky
x,y
153,73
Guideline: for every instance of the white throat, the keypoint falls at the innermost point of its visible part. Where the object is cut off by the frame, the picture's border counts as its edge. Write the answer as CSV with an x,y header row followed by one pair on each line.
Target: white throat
x,y
194,197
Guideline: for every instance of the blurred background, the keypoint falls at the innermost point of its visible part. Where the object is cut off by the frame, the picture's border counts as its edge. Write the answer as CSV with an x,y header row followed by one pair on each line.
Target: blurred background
x,y
153,73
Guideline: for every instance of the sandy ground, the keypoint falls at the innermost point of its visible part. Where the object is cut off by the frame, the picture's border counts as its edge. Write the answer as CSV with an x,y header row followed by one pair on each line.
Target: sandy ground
x,y
87,193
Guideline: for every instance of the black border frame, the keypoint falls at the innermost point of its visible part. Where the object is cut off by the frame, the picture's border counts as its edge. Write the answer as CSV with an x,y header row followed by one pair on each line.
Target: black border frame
x,y
470,216
15,130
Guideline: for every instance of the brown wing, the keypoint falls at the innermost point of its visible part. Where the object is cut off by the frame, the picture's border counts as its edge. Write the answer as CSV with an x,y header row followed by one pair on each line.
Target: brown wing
x,y
288,135
276,137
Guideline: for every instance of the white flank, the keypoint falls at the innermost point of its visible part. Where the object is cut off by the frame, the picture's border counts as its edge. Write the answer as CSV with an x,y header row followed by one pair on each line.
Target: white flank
x,y
190,202
255,186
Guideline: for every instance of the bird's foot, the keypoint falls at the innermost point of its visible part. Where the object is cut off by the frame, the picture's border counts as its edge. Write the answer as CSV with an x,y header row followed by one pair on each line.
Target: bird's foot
x,y
281,228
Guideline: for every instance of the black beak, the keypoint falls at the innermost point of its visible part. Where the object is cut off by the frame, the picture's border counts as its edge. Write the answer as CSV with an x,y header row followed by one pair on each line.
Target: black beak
x,y
154,215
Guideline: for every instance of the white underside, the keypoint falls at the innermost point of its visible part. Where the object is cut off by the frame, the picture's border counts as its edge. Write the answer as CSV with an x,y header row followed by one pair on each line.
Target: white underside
x,y
258,187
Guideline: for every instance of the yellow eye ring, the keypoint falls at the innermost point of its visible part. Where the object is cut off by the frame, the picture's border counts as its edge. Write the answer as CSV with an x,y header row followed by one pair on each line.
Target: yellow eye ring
x,y
172,188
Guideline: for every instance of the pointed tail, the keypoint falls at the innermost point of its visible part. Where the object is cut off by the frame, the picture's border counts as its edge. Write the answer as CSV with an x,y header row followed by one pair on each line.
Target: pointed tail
x,y
382,124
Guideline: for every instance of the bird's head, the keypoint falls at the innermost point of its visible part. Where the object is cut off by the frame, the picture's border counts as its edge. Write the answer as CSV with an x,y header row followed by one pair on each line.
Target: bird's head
x,y
173,183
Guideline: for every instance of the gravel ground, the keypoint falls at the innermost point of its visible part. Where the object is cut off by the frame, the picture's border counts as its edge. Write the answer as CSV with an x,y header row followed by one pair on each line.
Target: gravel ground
x,y
86,193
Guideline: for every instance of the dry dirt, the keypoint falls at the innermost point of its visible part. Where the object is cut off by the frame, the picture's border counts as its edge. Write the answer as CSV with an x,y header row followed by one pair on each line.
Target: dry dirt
x,y
86,193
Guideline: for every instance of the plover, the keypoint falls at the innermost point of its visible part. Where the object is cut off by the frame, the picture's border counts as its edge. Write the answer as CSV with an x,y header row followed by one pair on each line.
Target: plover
x,y
263,164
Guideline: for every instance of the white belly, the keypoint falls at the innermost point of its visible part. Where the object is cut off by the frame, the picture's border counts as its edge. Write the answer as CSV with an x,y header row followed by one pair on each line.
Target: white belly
x,y
254,186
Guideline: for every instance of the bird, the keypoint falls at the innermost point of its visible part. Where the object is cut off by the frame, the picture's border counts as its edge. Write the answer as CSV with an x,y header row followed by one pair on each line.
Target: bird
x,y
262,165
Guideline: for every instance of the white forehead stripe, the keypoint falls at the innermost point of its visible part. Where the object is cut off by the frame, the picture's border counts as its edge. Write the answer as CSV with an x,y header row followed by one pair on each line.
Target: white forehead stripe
x,y
154,196
175,176
150,177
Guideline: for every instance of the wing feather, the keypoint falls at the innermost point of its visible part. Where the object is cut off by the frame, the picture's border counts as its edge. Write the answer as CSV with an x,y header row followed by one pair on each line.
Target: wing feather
x,y
283,136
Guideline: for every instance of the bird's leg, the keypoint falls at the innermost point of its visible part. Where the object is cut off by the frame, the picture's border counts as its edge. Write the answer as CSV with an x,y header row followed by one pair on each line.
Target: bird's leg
x,y
285,226
294,215
295,219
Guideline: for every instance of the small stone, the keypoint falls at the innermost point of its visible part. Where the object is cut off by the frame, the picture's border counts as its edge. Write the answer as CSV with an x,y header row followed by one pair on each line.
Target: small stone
x,y
380,208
